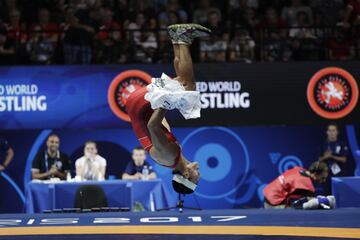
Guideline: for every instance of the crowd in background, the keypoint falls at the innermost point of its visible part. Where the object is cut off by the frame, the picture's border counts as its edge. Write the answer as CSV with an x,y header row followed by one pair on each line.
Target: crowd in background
x,y
134,31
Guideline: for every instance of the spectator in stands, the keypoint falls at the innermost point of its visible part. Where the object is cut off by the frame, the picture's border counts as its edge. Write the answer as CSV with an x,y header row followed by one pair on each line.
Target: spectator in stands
x,y
135,27
319,23
145,49
51,162
250,19
334,152
242,47
352,14
304,41
319,19
78,37
289,14
201,10
7,47
15,28
122,13
236,13
172,6
43,39
213,49
16,34
239,13
215,24
273,31
295,187
91,166
135,168
163,35
7,7
328,9
109,45
148,40
58,11
6,153
146,7
302,27
273,24
340,46
96,18
164,55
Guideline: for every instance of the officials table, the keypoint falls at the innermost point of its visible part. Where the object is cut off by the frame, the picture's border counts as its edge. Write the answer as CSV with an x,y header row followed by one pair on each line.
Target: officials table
x,y
152,194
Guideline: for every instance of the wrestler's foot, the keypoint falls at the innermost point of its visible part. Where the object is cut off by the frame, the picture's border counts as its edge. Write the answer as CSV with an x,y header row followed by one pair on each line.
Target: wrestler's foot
x,y
185,33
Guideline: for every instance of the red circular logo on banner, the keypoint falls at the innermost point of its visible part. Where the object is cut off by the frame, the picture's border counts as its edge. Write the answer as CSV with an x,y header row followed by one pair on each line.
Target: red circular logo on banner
x,y
122,86
332,93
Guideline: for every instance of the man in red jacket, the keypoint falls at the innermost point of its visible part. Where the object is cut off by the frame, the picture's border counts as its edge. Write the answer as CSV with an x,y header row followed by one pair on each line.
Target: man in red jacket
x,y
293,185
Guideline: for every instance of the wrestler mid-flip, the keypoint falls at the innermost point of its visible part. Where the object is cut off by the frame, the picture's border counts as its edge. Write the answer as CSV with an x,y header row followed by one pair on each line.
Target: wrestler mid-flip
x,y
149,122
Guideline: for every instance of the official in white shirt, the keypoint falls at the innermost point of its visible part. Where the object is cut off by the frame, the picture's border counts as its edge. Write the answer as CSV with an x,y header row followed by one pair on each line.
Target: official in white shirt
x,y
91,166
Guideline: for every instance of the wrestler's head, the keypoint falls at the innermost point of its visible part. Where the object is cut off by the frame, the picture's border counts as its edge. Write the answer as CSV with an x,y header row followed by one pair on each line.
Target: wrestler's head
x,y
319,171
185,182
192,172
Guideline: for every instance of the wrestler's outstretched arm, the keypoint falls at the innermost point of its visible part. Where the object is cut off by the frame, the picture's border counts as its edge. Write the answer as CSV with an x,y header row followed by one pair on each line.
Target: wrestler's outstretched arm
x,y
184,66
162,149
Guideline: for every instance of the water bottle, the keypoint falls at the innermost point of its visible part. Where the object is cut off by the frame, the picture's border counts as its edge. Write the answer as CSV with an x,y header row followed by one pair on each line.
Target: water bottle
x,y
145,173
68,177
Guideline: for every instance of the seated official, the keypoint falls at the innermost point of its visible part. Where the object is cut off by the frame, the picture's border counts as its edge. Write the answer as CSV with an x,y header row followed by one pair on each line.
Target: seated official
x,y
295,187
135,168
51,163
91,166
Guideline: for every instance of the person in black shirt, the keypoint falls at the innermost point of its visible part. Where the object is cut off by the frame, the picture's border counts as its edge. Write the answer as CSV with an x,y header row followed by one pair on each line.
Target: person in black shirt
x,y
6,154
78,37
334,153
134,168
51,162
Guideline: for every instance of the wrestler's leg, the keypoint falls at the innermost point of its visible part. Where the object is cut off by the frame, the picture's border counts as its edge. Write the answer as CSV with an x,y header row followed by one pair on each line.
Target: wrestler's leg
x,y
176,48
182,36
166,124
183,66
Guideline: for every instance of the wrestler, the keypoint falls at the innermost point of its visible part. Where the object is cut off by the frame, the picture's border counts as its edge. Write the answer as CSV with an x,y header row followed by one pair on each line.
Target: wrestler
x,y
295,189
150,125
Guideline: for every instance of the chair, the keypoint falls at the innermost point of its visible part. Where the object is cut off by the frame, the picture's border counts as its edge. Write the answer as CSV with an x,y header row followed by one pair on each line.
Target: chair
x,y
90,196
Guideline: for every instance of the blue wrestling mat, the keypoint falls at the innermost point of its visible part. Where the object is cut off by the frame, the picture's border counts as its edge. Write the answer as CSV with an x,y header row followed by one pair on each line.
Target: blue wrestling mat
x,y
195,225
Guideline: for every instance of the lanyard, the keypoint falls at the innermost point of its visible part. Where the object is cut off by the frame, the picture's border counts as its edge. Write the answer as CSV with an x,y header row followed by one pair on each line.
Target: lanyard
x,y
47,159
